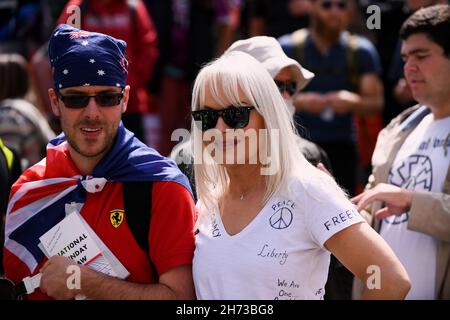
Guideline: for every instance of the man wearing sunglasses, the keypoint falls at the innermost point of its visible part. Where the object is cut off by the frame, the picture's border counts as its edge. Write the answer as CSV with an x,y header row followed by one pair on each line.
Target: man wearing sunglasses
x,y
290,77
346,83
91,165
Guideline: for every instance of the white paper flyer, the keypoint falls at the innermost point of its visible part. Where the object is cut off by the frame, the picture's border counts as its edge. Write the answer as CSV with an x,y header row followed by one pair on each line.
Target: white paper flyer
x,y
73,238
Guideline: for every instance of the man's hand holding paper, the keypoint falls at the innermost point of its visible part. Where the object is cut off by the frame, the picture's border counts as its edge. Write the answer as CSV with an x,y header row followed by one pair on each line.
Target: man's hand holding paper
x,y
56,280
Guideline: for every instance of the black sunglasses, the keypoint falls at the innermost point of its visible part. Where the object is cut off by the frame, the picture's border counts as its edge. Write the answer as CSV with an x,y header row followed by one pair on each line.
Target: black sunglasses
x,y
236,117
78,101
11,291
289,87
341,5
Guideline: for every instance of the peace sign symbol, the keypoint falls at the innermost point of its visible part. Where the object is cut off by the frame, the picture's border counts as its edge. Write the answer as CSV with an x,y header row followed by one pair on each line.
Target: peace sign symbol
x,y
281,219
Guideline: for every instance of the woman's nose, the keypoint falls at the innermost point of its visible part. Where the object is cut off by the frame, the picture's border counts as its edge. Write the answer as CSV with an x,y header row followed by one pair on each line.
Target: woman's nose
x,y
221,125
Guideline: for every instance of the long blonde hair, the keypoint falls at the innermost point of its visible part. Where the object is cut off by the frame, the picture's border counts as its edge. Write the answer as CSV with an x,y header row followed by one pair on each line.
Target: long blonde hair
x,y
234,73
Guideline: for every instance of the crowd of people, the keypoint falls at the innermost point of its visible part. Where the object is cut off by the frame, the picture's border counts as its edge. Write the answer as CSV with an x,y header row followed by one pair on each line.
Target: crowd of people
x,y
318,148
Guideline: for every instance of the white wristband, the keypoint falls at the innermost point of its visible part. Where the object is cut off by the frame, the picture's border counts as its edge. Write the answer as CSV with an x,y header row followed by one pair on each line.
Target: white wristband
x,y
32,283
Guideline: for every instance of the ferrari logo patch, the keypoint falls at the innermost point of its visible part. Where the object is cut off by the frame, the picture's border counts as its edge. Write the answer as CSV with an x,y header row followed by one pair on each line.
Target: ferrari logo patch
x,y
116,217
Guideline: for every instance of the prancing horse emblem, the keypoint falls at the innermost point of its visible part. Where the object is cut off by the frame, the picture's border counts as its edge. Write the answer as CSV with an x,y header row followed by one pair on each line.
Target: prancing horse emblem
x,y
116,217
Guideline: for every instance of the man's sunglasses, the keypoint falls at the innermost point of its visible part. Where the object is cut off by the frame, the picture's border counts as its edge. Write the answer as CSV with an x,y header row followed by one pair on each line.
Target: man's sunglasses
x,y
235,117
289,87
327,5
78,101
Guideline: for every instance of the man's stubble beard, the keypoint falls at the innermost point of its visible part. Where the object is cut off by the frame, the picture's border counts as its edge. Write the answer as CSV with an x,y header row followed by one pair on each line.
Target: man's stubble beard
x,y
109,140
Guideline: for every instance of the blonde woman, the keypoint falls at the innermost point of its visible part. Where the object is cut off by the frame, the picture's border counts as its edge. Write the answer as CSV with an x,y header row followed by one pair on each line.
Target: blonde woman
x,y
268,219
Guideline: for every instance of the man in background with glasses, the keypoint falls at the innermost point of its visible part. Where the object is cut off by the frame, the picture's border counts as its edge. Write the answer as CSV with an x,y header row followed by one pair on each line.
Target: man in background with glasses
x,y
90,166
346,82
290,78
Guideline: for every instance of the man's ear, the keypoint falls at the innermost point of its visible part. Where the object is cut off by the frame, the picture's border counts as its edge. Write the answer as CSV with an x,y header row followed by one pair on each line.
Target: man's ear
x,y
126,97
53,101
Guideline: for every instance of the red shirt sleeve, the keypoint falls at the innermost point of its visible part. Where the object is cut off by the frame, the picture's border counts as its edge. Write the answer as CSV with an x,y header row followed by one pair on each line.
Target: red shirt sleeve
x,y
171,237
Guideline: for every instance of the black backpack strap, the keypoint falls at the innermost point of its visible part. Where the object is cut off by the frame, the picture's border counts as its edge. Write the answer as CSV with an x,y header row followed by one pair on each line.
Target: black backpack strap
x,y
351,50
352,61
137,199
4,185
299,42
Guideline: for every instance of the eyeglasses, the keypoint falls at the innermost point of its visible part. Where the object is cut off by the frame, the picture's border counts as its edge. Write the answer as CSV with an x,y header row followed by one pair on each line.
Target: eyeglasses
x,y
236,117
327,5
289,87
78,101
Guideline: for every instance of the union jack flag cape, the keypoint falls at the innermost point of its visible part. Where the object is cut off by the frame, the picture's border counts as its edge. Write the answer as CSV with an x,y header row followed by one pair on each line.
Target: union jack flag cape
x,y
38,198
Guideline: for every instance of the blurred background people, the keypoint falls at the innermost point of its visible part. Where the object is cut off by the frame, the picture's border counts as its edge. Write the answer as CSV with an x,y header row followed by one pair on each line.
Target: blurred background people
x,y
21,26
9,172
22,126
276,18
290,78
347,82
191,32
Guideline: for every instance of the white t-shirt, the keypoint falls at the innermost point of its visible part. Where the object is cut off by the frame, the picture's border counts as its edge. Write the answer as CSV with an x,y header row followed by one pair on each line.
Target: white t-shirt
x,y
421,164
278,255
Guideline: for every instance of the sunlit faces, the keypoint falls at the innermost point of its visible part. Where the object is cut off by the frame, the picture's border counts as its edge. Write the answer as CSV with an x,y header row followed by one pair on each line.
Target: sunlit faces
x,y
90,131
229,146
426,70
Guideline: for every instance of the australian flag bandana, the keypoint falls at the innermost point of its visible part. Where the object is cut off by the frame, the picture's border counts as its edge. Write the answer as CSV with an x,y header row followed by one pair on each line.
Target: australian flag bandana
x,y
82,58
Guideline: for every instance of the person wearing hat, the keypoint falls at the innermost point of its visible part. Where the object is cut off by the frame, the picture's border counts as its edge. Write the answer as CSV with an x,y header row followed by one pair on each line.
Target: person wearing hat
x,y
89,166
290,78
9,172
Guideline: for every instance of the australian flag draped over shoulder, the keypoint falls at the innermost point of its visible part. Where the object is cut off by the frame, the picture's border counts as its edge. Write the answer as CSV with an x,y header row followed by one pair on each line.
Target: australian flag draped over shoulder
x,y
39,197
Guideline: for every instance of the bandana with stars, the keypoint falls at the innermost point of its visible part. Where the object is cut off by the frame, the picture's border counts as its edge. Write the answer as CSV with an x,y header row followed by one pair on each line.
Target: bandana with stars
x,y
82,58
